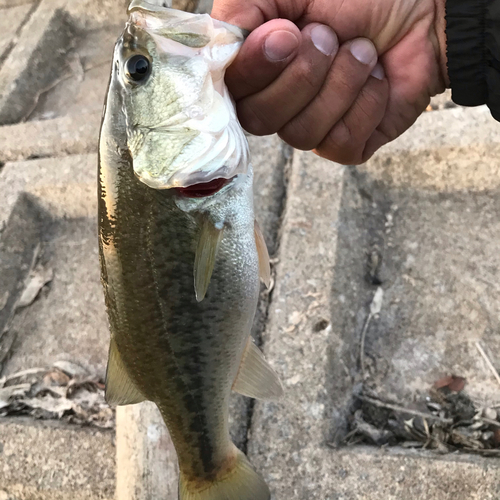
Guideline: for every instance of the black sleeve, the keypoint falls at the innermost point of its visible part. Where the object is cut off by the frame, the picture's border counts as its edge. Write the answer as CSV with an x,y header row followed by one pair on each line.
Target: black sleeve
x,y
473,46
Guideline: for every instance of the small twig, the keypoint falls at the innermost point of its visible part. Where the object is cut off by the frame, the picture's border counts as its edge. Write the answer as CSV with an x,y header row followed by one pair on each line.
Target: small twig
x,y
400,409
490,422
362,345
375,307
29,371
488,362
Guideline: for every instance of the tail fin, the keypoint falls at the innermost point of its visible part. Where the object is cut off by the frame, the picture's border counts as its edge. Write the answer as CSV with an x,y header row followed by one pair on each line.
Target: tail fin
x,y
240,483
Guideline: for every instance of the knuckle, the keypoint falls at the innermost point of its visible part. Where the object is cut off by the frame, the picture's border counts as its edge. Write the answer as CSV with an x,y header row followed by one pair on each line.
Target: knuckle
x,y
369,102
254,119
298,135
306,74
342,146
340,136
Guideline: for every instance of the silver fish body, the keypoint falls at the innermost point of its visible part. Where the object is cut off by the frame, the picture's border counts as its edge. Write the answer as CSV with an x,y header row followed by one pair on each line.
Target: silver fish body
x,y
180,267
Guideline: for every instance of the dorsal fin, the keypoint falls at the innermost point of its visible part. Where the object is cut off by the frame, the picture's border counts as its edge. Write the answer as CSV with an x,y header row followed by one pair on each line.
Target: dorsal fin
x,y
255,378
206,253
264,265
120,390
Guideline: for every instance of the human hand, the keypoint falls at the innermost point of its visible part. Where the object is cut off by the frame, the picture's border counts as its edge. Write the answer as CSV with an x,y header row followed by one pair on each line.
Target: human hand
x,y
324,90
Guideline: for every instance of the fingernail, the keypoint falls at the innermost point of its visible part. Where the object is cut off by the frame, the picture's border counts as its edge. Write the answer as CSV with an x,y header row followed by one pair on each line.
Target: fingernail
x,y
378,71
280,44
363,50
324,39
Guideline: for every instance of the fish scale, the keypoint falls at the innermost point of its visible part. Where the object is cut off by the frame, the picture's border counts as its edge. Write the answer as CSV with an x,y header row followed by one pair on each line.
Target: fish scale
x,y
180,267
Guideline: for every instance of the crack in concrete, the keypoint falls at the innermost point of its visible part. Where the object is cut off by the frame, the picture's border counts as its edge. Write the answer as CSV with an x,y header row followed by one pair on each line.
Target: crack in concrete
x,y
266,298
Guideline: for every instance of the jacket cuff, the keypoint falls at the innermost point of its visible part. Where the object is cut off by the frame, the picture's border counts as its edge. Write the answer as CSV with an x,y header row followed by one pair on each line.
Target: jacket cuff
x,y
473,50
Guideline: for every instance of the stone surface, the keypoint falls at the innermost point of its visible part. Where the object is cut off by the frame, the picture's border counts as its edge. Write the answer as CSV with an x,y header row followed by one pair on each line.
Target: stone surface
x,y
34,62
313,331
67,321
90,15
5,4
303,340
68,135
368,474
44,461
11,20
428,203
454,149
435,193
83,77
145,455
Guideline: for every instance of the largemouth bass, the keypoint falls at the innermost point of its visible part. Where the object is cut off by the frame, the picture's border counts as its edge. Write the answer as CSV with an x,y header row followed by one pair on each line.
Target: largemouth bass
x,y
180,251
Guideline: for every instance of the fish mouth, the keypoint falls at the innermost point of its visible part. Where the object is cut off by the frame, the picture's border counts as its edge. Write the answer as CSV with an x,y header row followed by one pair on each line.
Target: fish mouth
x,y
203,189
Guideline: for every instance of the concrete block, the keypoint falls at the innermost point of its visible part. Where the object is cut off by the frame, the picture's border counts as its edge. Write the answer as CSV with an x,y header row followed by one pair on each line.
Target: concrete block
x,y
19,248
68,135
35,61
90,15
319,472
46,461
303,341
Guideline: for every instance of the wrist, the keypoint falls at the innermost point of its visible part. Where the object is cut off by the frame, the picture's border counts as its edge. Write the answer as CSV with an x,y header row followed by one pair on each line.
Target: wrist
x,y
440,27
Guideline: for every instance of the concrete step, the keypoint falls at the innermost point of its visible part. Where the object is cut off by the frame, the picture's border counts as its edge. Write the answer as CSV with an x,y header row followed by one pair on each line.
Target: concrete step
x,y
49,461
425,203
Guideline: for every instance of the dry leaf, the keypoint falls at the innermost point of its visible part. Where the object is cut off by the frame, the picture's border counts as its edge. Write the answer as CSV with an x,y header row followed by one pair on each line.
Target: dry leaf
x,y
14,390
452,382
56,377
37,279
72,369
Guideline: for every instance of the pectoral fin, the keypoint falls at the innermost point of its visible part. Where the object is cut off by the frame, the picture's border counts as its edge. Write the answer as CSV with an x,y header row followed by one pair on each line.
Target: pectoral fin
x,y
120,390
206,253
255,378
264,265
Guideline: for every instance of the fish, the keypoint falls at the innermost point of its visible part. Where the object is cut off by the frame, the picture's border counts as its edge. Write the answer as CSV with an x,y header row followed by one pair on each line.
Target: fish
x,y
181,253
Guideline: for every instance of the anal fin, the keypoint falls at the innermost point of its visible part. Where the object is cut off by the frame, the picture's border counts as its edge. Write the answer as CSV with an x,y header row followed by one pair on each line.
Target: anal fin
x,y
264,265
255,378
206,253
120,390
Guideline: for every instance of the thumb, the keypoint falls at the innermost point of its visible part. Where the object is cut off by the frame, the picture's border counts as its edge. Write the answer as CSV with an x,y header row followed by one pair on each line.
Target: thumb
x,y
265,54
250,14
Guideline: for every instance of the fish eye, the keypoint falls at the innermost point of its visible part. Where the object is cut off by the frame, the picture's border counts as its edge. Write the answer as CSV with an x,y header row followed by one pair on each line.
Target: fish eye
x,y
137,68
